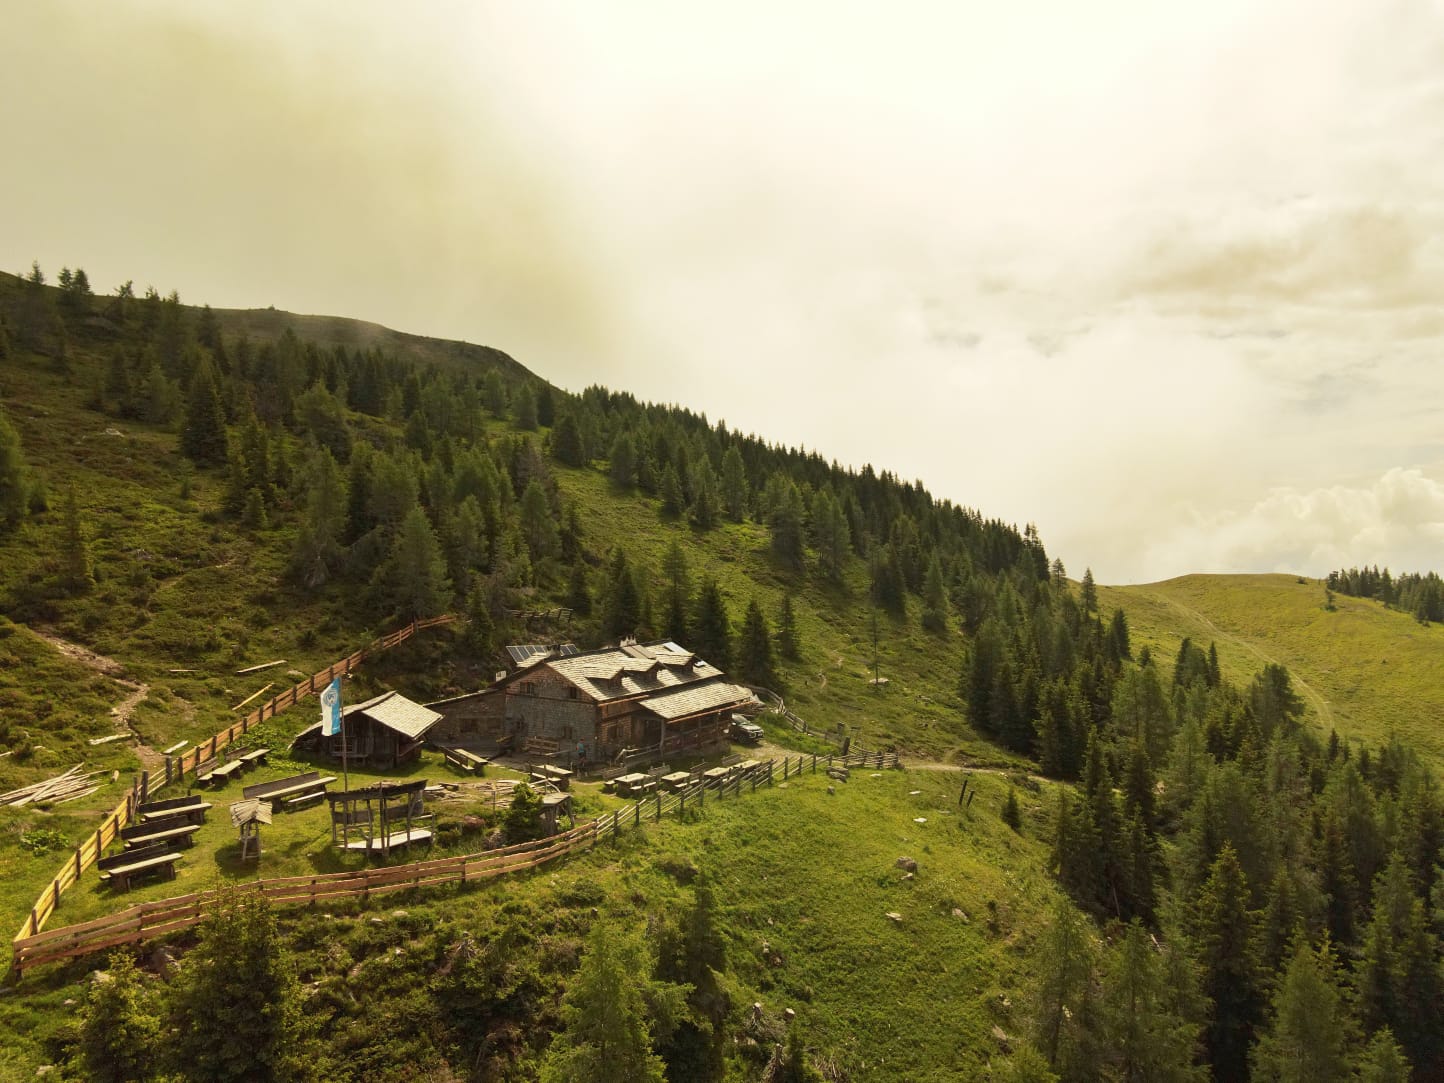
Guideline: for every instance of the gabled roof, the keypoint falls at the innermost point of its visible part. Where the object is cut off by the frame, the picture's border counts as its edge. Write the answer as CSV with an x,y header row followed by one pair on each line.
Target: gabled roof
x,y
396,712
631,670
690,699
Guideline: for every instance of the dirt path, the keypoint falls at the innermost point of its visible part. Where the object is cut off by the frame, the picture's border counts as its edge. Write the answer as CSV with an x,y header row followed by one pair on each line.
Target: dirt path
x,y
122,711
1321,705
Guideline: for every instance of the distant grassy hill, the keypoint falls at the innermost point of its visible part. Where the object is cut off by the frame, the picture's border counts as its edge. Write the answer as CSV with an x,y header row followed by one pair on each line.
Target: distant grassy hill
x,y
1364,670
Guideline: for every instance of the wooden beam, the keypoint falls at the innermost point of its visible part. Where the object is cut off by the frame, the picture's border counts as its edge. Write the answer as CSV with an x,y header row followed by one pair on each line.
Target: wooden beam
x,y
263,665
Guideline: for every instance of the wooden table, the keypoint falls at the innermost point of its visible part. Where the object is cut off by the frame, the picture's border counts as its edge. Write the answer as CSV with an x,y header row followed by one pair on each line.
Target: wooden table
x,y
466,761
628,783
221,775
677,780
714,774
255,756
559,777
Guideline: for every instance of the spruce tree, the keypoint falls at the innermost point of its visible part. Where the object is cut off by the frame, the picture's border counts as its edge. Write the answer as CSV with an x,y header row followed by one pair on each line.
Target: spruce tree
x,y
1145,1041
623,600
623,461
754,649
1065,1009
203,433
671,490
711,630
606,1035
121,1029
579,592
734,484
935,598
1383,1060
75,554
524,409
414,579
1223,936
538,525
788,643
705,503
1307,1037
318,554
566,442
1089,595
14,477
239,973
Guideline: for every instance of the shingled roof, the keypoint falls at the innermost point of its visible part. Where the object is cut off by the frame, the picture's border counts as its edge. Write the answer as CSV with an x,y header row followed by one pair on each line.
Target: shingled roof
x,y
631,671
690,699
396,712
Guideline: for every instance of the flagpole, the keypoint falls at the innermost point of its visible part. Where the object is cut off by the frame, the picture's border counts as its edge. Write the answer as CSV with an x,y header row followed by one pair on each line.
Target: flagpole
x,y
345,765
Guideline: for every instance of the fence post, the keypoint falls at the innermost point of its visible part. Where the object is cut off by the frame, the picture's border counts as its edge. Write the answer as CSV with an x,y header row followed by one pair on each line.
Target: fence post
x,y
659,806
638,808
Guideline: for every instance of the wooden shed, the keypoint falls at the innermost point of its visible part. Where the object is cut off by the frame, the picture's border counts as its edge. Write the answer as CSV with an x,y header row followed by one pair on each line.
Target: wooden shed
x,y
382,732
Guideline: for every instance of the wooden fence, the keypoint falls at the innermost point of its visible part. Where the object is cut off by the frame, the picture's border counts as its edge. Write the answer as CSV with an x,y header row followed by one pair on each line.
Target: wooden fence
x,y
91,850
147,921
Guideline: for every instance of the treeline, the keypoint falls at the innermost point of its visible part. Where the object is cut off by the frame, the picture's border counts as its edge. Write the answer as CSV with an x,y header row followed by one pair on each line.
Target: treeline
x,y
1419,594
422,487
1289,886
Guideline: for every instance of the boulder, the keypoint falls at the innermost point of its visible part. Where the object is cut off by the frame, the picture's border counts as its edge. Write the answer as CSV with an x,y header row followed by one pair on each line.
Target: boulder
x,y
907,864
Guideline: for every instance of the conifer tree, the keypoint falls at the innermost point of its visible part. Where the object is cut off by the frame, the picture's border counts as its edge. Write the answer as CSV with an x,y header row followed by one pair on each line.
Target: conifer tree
x,y
734,484
705,503
784,518
1383,1060
935,598
203,434
566,442
1089,596
1307,1039
679,592
1065,1009
239,972
711,630
75,554
788,643
1223,936
579,592
623,461
671,490
414,578
754,648
14,477
524,409
606,1036
1145,1042
624,601
120,1030
538,526
318,554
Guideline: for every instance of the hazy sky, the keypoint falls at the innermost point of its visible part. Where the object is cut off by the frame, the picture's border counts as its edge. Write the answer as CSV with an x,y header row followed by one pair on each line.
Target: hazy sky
x,y
1164,279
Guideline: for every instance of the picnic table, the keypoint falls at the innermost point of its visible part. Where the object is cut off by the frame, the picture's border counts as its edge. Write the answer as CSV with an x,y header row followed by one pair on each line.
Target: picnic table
x,y
253,757
716,774
119,869
560,777
635,784
463,760
677,780
291,792
193,808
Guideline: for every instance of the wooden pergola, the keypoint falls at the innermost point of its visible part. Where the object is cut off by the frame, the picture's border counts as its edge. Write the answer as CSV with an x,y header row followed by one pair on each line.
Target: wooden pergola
x,y
248,816
381,817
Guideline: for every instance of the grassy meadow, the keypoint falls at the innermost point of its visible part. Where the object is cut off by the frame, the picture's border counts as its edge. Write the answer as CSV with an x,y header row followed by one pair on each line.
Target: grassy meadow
x,y
1363,670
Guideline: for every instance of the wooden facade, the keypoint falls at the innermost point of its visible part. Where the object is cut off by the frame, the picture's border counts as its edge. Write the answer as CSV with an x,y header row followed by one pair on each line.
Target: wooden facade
x,y
591,706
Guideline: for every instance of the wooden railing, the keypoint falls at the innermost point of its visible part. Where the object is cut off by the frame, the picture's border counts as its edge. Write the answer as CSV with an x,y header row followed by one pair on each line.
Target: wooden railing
x,y
147,921
124,814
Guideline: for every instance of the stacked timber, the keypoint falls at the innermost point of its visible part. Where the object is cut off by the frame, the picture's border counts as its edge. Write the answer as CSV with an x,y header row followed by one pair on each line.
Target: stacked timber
x,y
71,785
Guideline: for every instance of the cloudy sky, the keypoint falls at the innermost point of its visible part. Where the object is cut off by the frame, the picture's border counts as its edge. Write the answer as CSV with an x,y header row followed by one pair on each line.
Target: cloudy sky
x,y
1164,279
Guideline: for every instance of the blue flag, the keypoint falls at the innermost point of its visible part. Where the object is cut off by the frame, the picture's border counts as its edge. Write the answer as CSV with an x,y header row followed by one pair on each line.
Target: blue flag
x,y
331,708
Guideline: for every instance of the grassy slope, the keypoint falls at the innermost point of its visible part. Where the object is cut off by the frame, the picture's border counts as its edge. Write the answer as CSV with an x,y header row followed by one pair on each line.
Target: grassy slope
x,y
179,588
1364,670
804,881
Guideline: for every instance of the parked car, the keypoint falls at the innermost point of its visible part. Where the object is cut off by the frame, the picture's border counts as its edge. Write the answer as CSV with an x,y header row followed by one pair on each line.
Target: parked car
x,y
747,732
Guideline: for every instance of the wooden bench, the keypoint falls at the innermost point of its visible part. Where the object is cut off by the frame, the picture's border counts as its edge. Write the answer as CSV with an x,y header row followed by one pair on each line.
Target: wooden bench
x,y
253,757
194,808
302,785
395,839
303,800
173,829
465,761
219,776
559,777
119,869
204,770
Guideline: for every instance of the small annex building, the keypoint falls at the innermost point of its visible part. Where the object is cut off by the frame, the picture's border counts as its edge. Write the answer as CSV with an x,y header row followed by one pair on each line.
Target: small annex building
x,y
385,731
592,705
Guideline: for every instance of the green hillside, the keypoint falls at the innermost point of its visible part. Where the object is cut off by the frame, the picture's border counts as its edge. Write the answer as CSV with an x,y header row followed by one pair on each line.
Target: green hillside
x,y
1364,670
